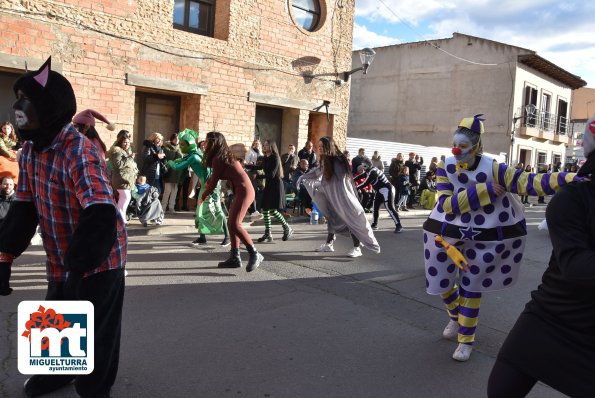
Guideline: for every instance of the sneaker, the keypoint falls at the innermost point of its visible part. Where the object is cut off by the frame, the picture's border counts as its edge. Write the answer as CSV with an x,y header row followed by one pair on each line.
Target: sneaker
x,y
225,242
405,209
463,352
398,228
354,252
325,247
265,238
451,330
287,233
374,226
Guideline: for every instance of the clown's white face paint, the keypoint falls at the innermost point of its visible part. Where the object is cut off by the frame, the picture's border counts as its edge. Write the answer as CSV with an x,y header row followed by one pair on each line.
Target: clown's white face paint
x,y
463,149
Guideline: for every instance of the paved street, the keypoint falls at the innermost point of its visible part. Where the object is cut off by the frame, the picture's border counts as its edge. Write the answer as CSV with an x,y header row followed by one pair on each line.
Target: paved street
x,y
304,324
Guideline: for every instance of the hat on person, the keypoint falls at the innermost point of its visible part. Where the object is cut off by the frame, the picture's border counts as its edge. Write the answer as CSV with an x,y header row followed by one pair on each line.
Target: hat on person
x,y
189,136
474,123
88,116
53,99
589,148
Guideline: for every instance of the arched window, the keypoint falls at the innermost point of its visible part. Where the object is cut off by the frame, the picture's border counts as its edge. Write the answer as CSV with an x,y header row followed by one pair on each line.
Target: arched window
x,y
306,13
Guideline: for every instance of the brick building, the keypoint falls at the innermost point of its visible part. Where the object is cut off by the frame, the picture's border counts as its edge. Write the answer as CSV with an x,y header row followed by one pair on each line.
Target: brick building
x,y
243,67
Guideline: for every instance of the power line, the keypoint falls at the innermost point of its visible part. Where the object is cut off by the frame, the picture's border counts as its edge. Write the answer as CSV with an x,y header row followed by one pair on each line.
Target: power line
x,y
430,43
71,22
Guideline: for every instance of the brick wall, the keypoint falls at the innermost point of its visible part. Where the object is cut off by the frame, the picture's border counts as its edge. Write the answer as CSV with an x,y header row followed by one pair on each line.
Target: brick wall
x,y
257,48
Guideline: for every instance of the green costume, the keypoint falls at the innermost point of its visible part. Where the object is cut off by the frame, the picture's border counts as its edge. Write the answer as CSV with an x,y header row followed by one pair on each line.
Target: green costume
x,y
210,219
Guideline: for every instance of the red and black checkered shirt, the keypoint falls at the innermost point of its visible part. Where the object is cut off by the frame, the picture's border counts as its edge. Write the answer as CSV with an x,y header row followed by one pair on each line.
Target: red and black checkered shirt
x,y
62,180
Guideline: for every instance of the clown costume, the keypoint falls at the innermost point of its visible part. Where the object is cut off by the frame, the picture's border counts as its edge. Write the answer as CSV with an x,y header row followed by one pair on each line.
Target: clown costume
x,y
478,215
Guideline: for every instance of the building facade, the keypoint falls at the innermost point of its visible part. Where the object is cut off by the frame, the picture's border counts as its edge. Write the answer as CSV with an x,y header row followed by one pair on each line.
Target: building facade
x,y
247,68
583,107
418,92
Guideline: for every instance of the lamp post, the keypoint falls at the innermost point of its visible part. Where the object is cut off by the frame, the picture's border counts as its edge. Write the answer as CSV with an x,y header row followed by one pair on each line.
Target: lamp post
x,y
366,57
589,113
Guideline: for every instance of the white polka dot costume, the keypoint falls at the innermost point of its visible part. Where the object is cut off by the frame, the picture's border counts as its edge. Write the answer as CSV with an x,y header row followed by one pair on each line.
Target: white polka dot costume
x,y
488,229
490,237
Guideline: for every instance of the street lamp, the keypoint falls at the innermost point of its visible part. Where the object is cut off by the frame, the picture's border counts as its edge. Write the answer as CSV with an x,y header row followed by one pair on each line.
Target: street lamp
x,y
589,113
366,57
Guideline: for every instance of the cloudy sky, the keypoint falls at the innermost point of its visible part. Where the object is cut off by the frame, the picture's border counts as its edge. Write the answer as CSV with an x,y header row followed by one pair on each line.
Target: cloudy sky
x,y
559,31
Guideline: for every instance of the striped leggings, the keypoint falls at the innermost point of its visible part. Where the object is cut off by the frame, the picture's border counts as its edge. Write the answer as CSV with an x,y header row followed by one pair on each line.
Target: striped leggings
x,y
463,307
266,214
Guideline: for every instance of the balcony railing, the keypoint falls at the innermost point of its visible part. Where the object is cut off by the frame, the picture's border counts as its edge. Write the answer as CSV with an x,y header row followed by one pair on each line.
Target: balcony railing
x,y
545,121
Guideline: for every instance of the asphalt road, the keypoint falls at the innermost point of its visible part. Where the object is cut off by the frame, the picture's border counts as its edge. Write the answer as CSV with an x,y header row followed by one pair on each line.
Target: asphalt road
x,y
304,324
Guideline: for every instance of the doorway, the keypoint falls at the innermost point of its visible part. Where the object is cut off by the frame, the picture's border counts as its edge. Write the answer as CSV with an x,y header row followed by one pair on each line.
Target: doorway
x,y
155,112
268,124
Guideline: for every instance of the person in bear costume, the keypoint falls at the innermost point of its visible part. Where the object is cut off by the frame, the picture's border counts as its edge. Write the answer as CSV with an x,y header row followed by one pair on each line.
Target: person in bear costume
x,y
553,340
63,188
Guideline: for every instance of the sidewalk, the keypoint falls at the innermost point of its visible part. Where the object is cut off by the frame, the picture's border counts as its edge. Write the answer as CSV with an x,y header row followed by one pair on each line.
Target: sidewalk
x,y
183,222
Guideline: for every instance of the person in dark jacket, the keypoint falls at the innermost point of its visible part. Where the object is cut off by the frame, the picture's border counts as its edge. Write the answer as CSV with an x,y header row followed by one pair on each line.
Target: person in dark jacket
x,y
153,160
307,152
385,193
172,177
274,191
289,161
553,338
6,196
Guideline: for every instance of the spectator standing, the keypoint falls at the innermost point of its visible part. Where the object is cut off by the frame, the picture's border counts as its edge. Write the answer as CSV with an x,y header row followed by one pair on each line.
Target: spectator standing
x,y
153,160
361,158
394,169
253,153
307,152
124,170
6,196
170,180
289,161
404,188
377,161
414,164
8,141
433,165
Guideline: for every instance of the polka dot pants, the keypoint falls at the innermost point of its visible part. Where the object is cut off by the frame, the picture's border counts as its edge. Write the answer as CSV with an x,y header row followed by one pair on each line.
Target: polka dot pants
x,y
494,265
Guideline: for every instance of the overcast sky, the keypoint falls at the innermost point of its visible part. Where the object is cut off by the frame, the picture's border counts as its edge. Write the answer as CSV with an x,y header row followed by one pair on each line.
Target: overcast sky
x,y
558,31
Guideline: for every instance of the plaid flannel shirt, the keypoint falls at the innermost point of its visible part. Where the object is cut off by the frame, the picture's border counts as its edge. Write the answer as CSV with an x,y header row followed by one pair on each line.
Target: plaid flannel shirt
x,y
62,180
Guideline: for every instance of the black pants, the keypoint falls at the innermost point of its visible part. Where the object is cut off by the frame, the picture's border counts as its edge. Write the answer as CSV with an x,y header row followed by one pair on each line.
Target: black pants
x,y
386,195
331,237
106,291
506,381
183,190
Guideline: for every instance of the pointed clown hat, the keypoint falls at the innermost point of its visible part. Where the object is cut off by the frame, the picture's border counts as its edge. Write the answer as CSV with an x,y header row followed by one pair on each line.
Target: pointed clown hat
x,y
189,136
88,116
474,123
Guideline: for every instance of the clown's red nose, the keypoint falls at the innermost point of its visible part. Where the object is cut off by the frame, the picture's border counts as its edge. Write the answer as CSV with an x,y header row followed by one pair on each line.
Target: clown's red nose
x,y
456,151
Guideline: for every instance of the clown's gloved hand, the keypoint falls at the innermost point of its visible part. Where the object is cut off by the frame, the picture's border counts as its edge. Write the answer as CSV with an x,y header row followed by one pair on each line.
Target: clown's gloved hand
x,y
170,164
5,288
